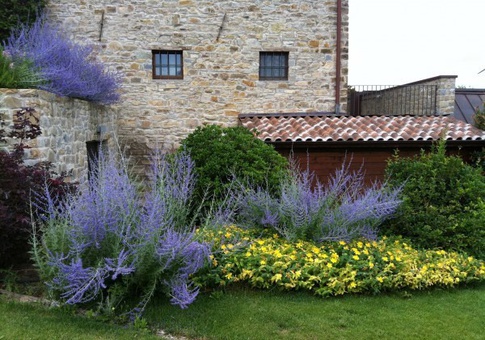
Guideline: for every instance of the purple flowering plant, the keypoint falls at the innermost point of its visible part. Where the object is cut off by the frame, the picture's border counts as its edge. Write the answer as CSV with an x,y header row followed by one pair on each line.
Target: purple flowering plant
x,y
112,241
64,67
305,209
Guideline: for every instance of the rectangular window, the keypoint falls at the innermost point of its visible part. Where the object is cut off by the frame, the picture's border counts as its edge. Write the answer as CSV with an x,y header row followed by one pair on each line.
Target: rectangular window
x,y
167,65
273,65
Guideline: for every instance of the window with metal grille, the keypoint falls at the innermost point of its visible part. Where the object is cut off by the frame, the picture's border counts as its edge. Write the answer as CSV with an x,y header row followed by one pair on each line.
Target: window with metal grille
x,y
167,65
273,65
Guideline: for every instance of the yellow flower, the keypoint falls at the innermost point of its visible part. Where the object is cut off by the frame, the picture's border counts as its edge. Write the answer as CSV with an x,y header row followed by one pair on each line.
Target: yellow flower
x,y
360,244
329,265
353,285
342,243
276,277
316,250
371,265
246,273
380,279
262,262
228,276
355,257
385,259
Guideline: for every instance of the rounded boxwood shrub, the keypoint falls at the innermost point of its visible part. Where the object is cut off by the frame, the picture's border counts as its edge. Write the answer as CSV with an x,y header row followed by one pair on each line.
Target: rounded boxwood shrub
x,y
223,154
443,203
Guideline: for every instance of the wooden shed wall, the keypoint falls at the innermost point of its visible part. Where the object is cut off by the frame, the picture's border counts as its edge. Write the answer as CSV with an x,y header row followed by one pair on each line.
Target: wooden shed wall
x,y
324,160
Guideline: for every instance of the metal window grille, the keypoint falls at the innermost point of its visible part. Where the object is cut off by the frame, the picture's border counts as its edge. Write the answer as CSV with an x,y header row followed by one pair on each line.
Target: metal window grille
x,y
167,64
273,65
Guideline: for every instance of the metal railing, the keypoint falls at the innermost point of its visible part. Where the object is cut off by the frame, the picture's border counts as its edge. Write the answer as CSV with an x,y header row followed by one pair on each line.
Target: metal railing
x,y
384,100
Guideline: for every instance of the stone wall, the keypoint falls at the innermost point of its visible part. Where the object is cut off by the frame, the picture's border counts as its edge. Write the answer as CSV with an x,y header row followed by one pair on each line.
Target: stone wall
x,y
66,124
433,96
221,41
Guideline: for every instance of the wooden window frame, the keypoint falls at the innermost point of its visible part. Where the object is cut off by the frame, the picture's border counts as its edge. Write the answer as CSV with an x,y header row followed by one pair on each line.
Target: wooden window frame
x,y
167,66
263,68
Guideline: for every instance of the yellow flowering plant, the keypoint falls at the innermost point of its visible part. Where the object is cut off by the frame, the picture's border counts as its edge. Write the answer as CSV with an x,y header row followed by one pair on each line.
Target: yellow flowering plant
x,y
265,260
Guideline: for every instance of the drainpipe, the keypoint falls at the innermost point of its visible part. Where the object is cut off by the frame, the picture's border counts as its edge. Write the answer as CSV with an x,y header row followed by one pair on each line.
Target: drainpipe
x,y
338,56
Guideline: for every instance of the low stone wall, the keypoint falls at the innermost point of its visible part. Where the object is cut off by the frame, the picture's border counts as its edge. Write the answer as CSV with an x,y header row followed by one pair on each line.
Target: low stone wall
x,y
67,125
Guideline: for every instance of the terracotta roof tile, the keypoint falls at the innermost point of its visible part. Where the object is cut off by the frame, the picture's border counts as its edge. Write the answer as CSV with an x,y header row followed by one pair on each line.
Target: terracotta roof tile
x,y
301,128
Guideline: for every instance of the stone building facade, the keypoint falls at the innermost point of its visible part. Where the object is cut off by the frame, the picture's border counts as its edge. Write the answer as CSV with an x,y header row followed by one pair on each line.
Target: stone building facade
x,y
219,46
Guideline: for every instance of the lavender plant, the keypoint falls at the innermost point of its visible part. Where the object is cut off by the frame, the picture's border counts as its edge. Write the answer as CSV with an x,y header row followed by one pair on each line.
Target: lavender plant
x,y
112,241
66,68
305,209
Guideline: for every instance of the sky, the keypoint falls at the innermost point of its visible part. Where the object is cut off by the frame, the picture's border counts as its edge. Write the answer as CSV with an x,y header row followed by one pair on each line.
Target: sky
x,y
394,42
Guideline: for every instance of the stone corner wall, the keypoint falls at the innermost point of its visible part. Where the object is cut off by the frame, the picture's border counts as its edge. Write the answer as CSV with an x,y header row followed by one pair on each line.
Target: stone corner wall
x,y
66,125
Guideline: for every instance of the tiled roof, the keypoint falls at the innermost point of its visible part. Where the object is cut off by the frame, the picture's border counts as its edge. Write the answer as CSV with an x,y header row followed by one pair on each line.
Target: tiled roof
x,y
327,128
466,103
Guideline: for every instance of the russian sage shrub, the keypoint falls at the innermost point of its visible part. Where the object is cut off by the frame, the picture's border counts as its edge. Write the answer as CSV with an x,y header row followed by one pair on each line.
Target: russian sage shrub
x,y
113,242
67,69
305,209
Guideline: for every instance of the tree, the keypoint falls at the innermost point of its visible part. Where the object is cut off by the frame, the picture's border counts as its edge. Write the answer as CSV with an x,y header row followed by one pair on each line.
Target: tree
x,y
16,12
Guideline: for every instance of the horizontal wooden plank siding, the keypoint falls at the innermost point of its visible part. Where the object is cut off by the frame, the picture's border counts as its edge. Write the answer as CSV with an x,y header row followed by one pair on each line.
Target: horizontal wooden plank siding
x,y
325,161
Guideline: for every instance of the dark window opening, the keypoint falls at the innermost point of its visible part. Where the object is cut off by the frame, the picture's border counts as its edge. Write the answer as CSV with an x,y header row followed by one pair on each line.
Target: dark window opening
x,y
167,65
273,65
94,150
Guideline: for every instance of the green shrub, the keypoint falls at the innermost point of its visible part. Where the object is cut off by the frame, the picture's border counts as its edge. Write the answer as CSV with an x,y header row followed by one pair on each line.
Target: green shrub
x,y
18,73
442,202
223,154
479,117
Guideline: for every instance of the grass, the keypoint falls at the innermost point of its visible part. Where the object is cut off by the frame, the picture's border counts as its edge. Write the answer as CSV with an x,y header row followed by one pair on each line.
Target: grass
x,y
248,314
242,313
33,321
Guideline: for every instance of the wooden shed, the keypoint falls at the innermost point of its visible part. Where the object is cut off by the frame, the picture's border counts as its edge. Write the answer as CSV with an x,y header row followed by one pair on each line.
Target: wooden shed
x,y
324,141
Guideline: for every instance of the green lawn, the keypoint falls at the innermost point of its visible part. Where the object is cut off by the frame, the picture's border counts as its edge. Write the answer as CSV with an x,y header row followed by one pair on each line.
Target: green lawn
x,y
249,314
32,321
241,313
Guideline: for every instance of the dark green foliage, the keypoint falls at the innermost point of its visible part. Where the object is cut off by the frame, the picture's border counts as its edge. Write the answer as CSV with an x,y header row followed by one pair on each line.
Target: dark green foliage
x,y
443,202
16,12
223,154
479,117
